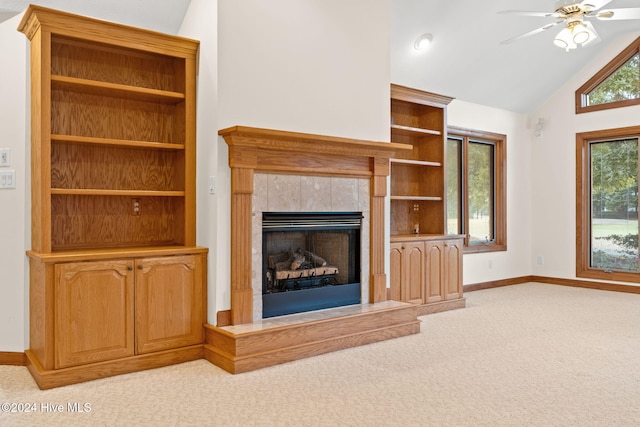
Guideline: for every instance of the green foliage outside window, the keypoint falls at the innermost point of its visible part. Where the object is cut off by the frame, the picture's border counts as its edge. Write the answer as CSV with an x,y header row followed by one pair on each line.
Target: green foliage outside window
x,y
622,85
614,205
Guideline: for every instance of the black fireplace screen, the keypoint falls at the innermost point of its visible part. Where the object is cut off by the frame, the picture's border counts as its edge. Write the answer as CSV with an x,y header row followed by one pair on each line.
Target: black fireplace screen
x,y
310,261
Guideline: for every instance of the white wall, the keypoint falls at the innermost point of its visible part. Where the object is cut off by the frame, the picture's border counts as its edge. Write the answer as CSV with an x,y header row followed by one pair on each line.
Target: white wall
x,y
200,23
554,166
14,223
315,66
516,261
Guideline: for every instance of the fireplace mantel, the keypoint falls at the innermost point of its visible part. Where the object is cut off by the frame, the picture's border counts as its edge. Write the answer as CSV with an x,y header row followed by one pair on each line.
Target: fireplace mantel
x,y
254,150
276,151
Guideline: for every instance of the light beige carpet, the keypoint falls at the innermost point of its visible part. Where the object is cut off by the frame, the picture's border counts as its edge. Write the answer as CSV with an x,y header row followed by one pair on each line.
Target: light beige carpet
x,y
525,355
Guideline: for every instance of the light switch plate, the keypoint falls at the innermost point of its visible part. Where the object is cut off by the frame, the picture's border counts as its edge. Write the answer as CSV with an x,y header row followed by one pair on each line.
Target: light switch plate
x,y
212,185
4,157
7,179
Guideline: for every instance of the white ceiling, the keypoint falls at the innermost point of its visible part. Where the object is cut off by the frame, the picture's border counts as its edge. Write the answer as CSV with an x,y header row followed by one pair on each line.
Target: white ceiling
x,y
158,15
465,61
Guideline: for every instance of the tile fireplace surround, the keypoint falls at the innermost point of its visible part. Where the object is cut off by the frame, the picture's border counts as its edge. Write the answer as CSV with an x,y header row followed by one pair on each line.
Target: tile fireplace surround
x,y
345,174
296,193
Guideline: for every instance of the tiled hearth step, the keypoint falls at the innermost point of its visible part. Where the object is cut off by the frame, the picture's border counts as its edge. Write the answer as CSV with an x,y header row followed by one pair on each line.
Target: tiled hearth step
x,y
248,347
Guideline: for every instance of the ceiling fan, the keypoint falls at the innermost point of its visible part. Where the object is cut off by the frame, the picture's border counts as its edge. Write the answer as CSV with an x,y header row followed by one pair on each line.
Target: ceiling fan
x,y
575,16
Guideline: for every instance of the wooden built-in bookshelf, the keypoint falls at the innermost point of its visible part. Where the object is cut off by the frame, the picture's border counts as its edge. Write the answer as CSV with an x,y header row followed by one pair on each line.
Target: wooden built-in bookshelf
x,y
115,271
426,263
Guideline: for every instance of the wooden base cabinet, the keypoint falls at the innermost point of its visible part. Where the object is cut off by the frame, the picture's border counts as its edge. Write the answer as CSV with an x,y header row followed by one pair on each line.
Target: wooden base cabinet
x,y
131,313
427,270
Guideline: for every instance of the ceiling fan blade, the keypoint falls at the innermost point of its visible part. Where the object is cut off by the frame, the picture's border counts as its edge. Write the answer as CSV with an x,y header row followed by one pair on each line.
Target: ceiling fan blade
x,y
530,13
531,33
595,4
619,14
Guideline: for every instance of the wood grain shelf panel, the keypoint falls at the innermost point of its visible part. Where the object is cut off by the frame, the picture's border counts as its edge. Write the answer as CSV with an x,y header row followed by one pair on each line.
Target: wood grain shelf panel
x,y
413,131
129,193
409,162
115,90
76,139
417,198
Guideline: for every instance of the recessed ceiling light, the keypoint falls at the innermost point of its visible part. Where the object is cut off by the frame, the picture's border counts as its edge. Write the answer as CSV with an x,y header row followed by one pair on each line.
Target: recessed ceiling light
x,y
423,42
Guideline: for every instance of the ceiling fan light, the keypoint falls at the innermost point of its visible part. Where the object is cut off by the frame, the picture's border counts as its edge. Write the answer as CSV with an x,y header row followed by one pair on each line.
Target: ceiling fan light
x,y
564,40
580,34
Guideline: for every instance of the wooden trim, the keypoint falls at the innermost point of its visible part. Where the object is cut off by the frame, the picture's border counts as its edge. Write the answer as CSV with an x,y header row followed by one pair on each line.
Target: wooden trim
x,y
47,379
601,76
583,207
498,283
602,286
598,285
440,306
419,97
100,254
223,318
254,150
64,23
13,358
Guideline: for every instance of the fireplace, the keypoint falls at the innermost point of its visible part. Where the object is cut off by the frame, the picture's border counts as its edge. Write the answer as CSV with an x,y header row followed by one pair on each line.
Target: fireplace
x,y
310,261
275,171
306,168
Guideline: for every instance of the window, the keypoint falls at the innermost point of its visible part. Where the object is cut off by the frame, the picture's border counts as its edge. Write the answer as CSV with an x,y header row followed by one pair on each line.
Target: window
x,y
607,204
476,189
616,85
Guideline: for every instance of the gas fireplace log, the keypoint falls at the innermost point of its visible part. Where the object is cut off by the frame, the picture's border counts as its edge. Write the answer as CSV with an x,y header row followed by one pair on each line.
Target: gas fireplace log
x,y
314,259
301,259
309,272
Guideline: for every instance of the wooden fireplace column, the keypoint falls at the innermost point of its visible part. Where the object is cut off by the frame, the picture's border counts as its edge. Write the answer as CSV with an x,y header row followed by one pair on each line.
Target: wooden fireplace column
x,y
272,151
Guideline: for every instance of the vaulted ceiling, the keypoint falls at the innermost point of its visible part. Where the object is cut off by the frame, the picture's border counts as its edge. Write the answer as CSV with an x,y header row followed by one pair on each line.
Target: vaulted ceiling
x,y
158,15
465,61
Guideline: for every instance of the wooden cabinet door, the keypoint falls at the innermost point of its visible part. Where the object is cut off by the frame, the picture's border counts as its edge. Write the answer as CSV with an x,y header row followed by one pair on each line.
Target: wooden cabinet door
x,y
435,271
414,269
395,271
407,272
453,271
93,312
169,302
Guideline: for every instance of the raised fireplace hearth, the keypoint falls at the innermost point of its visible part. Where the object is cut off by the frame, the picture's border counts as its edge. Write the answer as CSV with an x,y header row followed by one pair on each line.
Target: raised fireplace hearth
x,y
310,261
338,171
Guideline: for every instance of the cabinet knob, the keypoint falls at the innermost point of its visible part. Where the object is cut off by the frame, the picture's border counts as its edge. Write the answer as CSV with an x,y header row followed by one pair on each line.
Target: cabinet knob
x,y
140,267
130,268
403,248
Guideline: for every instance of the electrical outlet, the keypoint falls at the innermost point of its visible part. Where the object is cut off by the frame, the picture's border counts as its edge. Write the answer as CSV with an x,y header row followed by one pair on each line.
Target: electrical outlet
x,y
540,260
136,206
212,185
4,157
8,179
